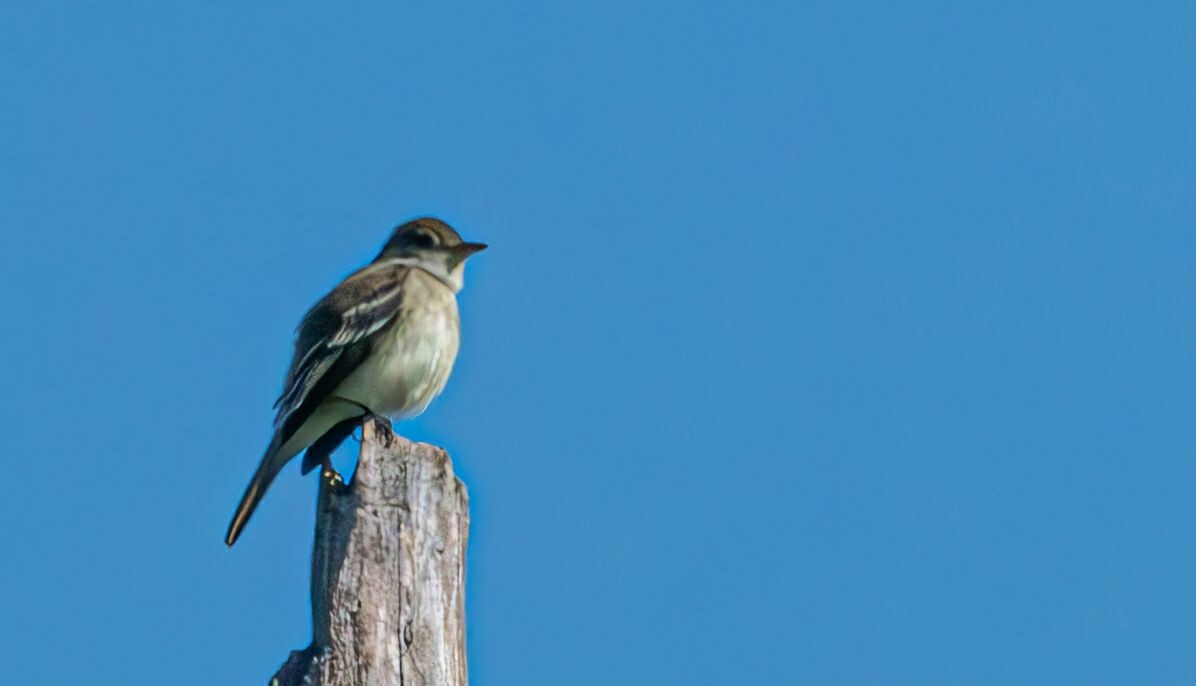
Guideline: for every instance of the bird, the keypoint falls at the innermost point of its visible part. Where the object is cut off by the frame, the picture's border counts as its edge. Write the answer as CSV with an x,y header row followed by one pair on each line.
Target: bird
x,y
382,343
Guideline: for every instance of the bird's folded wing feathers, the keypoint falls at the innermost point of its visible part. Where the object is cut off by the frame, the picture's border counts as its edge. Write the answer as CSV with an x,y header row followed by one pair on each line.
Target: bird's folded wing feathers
x,y
344,319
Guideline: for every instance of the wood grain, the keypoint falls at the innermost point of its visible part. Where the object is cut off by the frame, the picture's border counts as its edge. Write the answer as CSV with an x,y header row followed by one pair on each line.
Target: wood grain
x,y
388,572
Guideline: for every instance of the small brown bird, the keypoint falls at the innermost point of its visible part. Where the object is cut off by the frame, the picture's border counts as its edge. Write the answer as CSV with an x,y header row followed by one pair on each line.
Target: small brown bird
x,y
383,342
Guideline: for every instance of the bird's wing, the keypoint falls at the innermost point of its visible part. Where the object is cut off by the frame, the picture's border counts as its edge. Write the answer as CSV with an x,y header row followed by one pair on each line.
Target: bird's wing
x,y
334,338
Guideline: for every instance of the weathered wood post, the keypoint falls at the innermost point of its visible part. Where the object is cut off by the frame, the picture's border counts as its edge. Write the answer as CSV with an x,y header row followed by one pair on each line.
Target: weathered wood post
x,y
388,572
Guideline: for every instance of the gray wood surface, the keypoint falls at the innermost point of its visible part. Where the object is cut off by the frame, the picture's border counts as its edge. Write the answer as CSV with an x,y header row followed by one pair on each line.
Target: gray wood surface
x,y
388,572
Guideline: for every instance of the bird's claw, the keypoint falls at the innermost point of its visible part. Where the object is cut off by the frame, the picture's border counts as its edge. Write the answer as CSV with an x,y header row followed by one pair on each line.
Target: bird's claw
x,y
331,476
385,428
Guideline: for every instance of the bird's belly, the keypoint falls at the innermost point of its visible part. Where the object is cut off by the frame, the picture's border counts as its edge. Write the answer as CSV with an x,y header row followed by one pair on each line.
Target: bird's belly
x,y
410,365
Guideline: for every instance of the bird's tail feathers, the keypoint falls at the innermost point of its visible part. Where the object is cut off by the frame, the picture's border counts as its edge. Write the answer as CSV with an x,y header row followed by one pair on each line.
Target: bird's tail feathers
x,y
271,464
332,416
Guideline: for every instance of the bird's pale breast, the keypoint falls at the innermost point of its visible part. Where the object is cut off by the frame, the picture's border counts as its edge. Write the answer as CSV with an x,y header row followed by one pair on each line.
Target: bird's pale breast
x,y
412,360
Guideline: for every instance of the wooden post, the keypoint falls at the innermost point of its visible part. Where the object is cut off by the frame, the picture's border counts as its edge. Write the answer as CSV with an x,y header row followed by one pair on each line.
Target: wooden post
x,y
388,572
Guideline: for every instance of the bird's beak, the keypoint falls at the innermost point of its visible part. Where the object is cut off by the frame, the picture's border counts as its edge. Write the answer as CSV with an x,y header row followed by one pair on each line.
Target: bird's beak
x,y
467,249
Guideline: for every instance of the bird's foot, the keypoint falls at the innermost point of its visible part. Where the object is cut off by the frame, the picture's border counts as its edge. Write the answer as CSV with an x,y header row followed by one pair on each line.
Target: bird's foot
x,y
330,475
384,427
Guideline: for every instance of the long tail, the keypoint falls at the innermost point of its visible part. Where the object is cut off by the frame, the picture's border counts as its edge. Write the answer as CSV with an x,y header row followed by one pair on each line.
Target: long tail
x,y
331,415
272,463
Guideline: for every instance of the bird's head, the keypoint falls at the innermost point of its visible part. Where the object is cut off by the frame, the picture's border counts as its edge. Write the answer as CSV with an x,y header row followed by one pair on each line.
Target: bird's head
x,y
433,246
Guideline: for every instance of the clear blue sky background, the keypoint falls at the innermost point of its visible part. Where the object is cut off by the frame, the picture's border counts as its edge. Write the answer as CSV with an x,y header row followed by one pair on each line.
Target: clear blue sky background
x,y
826,343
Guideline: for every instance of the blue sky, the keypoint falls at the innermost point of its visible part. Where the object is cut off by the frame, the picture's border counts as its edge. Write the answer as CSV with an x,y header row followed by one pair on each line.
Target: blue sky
x,y
831,343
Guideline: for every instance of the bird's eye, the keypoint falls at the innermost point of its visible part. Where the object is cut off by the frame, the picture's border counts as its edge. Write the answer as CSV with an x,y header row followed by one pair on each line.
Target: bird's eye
x,y
422,239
